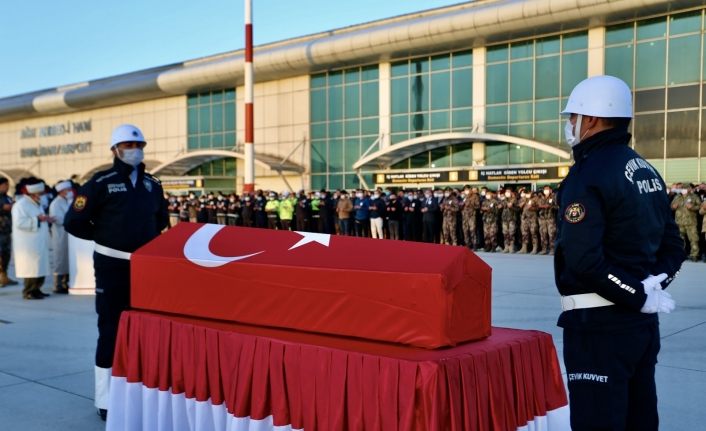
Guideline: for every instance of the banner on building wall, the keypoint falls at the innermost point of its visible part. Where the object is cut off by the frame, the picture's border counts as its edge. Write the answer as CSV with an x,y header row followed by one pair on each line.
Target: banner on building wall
x,y
472,175
181,184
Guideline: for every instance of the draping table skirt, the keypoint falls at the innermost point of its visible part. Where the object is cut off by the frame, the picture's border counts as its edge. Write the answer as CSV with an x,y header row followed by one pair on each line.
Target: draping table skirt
x,y
176,373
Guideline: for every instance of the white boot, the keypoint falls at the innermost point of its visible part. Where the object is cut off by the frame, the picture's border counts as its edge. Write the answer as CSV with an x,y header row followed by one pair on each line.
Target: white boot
x,y
102,377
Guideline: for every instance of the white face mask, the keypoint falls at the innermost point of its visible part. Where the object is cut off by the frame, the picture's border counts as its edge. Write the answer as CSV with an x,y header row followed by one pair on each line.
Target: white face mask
x,y
447,194
508,195
547,192
132,156
684,191
572,139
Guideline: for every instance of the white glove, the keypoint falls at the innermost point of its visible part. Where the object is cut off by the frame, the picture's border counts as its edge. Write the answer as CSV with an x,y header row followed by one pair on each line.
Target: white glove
x,y
653,282
658,301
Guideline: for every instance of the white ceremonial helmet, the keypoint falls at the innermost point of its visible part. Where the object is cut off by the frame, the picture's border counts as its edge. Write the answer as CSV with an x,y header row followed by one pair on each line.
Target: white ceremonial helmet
x,y
63,185
600,96
126,133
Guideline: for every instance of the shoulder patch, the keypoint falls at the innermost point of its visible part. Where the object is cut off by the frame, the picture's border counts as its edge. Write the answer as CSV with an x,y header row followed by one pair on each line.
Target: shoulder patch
x,y
80,202
575,212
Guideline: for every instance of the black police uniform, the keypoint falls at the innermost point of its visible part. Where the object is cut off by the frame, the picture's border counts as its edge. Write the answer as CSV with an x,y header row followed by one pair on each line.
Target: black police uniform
x,y
615,229
109,210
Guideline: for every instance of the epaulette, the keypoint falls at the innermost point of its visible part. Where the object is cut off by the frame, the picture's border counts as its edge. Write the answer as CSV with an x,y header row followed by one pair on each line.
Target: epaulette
x,y
153,178
100,178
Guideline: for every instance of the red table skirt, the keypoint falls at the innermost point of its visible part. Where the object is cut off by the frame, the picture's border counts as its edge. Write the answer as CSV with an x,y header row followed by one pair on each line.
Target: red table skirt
x,y
275,378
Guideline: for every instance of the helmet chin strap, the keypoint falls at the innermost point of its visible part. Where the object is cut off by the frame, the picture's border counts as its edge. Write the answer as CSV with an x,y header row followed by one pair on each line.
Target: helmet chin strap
x,y
577,129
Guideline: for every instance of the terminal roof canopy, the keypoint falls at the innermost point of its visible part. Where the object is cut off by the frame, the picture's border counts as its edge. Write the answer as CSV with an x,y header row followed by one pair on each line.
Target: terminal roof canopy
x,y
185,162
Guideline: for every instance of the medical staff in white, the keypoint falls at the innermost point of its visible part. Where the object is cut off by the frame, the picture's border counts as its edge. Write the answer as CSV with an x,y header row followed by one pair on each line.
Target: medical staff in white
x,y
59,238
30,241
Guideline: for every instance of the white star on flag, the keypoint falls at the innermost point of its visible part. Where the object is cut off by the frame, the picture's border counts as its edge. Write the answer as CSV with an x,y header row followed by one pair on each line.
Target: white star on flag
x,y
307,237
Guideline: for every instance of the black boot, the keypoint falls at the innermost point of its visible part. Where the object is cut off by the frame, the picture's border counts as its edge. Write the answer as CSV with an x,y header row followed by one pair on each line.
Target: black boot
x,y
61,283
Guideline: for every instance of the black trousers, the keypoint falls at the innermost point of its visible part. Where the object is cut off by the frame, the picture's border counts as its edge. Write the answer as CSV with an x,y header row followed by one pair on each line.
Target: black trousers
x,y
611,376
112,298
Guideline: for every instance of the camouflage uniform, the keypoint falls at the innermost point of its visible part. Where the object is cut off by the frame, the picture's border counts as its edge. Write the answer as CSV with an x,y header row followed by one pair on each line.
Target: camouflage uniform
x,y
686,207
528,224
471,205
449,208
5,240
547,222
490,208
509,220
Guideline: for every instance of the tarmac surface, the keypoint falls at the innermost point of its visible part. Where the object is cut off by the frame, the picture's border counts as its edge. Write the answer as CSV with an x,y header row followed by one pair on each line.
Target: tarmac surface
x,y
47,347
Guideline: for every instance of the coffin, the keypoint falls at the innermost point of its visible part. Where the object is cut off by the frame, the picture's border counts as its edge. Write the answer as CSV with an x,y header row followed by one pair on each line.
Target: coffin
x,y
424,295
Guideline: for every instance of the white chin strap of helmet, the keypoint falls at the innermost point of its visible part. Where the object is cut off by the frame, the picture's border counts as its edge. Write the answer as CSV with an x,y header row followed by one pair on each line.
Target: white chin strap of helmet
x,y
577,130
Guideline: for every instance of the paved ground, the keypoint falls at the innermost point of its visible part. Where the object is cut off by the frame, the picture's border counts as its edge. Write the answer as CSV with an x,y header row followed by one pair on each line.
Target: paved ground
x,y
46,347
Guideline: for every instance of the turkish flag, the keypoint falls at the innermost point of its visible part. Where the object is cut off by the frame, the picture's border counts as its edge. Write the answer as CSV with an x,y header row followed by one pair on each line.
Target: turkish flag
x,y
420,294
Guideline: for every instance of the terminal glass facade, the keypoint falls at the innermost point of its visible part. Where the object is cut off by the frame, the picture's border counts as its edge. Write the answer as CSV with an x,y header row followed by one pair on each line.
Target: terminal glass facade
x,y
211,120
662,60
344,124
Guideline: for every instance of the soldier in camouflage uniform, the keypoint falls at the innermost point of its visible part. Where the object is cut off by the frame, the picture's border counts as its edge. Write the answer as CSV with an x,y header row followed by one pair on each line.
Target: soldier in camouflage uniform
x,y
509,220
489,208
5,233
449,210
470,207
528,222
547,220
686,204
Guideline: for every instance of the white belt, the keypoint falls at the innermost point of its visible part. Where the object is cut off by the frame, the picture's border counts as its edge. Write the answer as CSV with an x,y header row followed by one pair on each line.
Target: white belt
x,y
111,252
584,300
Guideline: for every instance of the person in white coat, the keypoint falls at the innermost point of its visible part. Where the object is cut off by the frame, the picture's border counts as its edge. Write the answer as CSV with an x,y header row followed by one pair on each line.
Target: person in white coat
x,y
59,238
30,241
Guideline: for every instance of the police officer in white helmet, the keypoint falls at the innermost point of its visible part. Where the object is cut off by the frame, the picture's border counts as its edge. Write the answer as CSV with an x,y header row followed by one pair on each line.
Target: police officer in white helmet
x,y
121,209
617,248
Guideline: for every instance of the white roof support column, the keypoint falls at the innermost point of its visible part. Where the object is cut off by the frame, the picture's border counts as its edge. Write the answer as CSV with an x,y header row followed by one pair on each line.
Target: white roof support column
x,y
384,103
596,51
478,149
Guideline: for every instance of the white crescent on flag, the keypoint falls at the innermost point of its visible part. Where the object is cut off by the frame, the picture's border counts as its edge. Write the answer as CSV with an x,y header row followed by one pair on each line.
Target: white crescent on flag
x,y
197,251
307,237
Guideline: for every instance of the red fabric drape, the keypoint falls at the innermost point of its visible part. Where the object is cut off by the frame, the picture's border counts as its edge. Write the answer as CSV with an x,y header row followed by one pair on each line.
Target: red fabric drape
x,y
318,382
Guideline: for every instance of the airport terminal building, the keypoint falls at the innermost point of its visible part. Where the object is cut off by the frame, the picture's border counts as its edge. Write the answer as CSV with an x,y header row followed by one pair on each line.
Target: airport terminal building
x,y
465,94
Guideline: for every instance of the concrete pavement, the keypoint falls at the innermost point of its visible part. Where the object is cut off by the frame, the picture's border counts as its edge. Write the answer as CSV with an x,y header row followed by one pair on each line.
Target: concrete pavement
x,y
47,346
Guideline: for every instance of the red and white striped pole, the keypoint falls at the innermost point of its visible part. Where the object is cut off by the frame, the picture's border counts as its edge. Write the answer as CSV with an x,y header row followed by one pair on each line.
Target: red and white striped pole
x,y
249,185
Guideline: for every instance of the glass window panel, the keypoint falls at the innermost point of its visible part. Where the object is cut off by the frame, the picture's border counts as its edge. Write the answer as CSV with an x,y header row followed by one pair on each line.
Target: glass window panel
x,y
440,90
546,110
335,182
520,155
370,73
367,142
462,88
318,182
352,75
205,119
685,23
649,100
521,112
396,138
192,100
420,160
496,154
521,130
440,62
318,80
318,105
400,95
351,152
461,59
440,120
400,68
230,95
683,97
369,99
418,65
229,140
318,156
496,83
462,155
649,135
419,123
229,116
217,141
335,129
649,69
352,97
370,127
573,42
217,117
496,114
352,128
496,53
619,34
204,98
683,134
192,143
547,132
521,49
547,77
217,97
440,157
653,28
461,119
335,103
684,64
335,78
404,164
318,131
522,79
193,120
217,167
351,181
502,129
399,123
205,141
335,155
549,45
618,62
230,166
419,93
574,70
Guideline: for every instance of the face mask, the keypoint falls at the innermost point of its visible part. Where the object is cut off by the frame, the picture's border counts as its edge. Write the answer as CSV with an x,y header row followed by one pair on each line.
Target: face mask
x,y
132,156
547,192
232,200
191,196
247,198
375,196
410,197
508,194
428,195
393,197
683,192
359,195
220,198
482,193
572,139
447,194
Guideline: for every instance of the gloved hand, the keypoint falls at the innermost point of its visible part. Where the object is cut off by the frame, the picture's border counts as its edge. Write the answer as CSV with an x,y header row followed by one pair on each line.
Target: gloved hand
x,y
658,301
653,282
